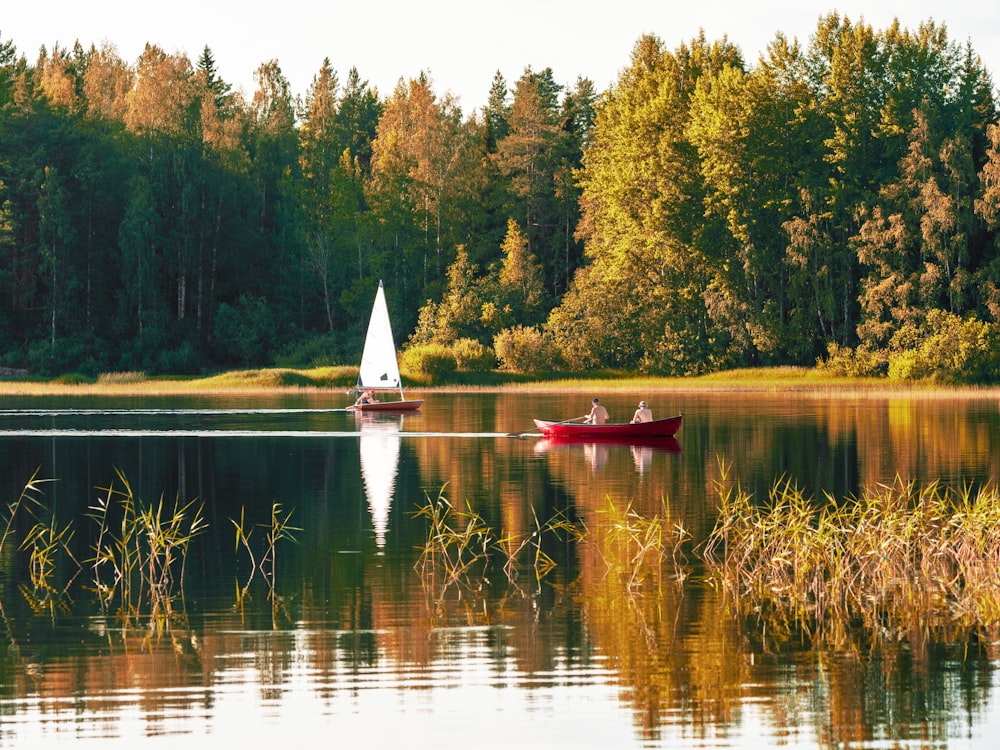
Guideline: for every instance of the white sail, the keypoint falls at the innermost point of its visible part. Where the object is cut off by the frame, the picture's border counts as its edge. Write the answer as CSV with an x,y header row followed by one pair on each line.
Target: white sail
x,y
379,368
380,443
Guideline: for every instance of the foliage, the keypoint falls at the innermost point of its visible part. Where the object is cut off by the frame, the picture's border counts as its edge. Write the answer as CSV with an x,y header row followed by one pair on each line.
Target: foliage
x,y
244,331
524,349
947,349
473,356
432,360
858,362
701,214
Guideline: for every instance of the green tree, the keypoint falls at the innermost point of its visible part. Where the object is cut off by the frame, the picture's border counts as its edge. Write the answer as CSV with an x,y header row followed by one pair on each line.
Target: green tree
x,y
520,282
57,237
419,145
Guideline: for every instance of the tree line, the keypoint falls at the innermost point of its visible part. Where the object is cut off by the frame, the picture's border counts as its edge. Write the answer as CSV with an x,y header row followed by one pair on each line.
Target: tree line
x,y
834,201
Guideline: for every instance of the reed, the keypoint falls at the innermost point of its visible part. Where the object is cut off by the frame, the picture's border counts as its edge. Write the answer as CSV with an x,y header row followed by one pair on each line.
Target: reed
x,y
140,551
638,549
48,545
121,378
243,534
456,547
27,501
897,561
514,545
279,529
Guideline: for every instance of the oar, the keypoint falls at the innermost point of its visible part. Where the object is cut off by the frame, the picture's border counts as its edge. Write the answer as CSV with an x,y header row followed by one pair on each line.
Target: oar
x,y
565,421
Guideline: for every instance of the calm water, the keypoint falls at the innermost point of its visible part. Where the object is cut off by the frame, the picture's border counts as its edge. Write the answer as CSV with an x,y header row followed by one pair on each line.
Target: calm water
x,y
349,643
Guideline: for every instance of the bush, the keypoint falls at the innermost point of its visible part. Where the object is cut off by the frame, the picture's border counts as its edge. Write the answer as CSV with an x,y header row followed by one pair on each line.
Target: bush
x,y
180,360
431,360
947,349
473,356
522,349
244,331
83,353
853,363
322,350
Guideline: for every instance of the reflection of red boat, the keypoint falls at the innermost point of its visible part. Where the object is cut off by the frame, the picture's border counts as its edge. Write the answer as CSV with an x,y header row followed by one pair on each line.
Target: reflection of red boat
x,y
657,428
408,405
666,444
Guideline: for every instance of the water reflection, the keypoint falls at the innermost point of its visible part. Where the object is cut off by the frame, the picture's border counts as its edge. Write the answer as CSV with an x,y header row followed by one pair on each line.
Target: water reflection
x,y
379,445
596,452
351,644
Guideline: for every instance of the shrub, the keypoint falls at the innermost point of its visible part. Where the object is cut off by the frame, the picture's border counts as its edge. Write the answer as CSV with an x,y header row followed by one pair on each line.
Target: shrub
x,y
473,356
853,363
83,353
432,360
522,349
946,348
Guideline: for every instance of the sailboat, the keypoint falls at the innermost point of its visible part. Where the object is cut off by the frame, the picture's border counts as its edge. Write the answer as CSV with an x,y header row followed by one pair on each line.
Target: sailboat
x,y
379,366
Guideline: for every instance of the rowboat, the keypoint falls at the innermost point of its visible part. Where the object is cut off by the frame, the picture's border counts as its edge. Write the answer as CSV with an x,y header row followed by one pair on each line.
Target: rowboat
x,y
657,428
379,367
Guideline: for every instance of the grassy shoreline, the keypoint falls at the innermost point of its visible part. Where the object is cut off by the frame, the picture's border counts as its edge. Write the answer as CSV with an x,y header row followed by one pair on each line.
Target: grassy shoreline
x,y
343,378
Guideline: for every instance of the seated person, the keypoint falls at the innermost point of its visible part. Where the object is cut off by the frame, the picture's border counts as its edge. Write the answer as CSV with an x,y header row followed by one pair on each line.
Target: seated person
x,y
367,397
642,414
598,414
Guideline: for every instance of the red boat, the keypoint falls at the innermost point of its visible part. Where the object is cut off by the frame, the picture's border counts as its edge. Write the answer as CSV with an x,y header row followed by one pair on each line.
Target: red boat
x,y
573,429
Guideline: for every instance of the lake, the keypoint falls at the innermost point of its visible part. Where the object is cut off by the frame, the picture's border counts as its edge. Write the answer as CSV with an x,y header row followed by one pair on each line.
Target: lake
x,y
305,608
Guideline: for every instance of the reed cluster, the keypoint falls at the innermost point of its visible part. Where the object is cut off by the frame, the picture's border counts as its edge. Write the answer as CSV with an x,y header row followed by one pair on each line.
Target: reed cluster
x,y
277,530
140,550
639,550
897,561
138,556
462,550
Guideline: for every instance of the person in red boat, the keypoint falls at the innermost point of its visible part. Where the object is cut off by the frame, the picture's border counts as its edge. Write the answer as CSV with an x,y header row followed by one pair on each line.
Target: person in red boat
x,y
642,414
598,414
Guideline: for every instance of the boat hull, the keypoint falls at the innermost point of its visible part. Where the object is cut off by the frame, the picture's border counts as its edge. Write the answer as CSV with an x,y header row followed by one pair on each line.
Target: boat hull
x,y
657,428
408,405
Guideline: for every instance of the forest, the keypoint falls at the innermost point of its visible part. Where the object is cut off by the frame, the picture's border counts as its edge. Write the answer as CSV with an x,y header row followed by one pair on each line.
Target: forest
x,y
835,203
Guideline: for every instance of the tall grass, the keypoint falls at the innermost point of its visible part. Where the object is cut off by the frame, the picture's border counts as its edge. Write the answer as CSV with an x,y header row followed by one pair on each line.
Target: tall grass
x,y
140,551
462,550
897,561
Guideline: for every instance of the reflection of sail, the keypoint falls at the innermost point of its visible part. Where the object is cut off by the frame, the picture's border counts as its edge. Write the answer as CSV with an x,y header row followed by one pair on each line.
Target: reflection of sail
x,y
379,444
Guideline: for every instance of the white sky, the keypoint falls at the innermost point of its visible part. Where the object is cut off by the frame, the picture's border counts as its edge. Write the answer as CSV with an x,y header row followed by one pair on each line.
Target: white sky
x,y
460,43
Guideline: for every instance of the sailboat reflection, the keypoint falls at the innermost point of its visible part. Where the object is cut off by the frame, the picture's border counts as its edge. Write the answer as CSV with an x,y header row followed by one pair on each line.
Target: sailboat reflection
x,y
379,443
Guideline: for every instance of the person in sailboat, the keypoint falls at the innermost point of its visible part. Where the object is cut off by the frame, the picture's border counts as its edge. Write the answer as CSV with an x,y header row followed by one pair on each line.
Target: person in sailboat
x,y
366,397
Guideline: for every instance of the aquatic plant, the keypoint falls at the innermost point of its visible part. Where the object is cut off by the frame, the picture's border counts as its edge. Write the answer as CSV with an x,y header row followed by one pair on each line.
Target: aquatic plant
x,y
636,548
457,544
899,561
143,549
29,500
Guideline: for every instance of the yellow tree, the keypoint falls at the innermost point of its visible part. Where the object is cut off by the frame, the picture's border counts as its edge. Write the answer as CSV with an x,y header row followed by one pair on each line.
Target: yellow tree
x,y
106,83
160,100
418,148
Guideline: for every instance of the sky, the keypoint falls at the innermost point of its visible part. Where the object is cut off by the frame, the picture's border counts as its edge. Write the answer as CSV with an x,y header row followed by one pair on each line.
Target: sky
x,y
459,44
